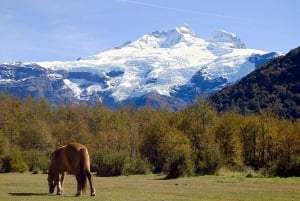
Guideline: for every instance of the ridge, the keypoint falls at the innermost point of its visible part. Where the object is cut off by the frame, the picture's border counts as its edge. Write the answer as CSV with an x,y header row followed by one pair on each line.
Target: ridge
x,y
226,37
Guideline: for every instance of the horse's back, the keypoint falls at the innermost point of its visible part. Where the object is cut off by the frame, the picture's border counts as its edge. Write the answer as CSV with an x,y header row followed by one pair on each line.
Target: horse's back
x,y
76,145
78,153
68,157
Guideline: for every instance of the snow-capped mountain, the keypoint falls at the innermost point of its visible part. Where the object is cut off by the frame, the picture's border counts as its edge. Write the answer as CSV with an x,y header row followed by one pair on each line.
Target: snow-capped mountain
x,y
176,65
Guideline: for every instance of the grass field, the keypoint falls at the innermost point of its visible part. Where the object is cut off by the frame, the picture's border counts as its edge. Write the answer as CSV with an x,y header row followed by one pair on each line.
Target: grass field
x,y
29,187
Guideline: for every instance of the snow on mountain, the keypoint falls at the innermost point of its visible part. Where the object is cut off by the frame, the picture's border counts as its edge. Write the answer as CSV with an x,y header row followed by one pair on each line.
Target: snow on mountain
x,y
168,58
161,62
224,38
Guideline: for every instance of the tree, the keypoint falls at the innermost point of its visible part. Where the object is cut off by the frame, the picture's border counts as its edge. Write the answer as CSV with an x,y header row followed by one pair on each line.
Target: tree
x,y
4,145
150,125
249,137
35,134
266,138
227,137
288,163
11,111
197,123
71,124
176,153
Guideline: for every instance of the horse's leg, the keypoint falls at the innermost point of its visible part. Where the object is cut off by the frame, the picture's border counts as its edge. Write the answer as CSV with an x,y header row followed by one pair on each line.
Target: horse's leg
x,y
58,192
78,193
89,176
62,182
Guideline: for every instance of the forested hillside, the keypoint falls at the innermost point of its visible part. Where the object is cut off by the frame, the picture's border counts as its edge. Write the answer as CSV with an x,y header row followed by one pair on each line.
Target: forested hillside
x,y
273,87
129,141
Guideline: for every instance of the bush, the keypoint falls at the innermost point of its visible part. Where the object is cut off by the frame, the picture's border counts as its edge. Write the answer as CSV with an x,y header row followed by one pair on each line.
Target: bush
x,y
14,163
37,161
177,166
176,151
137,166
209,163
287,169
108,163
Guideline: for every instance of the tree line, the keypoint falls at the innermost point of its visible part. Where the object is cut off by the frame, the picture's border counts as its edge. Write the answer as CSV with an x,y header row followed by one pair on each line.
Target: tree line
x,y
193,141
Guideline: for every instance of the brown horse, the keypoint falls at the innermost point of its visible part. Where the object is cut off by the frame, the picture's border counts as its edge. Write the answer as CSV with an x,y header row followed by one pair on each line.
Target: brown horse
x,y
73,158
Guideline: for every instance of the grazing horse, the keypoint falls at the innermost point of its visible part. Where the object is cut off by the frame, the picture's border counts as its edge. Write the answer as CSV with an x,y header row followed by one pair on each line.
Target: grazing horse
x,y
73,158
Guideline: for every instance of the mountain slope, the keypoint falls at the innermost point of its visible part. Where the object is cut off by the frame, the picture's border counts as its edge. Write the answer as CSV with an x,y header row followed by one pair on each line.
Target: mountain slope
x,y
274,87
175,64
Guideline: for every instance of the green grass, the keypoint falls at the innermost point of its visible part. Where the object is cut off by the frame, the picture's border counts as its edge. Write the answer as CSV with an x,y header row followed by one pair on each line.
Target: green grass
x,y
28,187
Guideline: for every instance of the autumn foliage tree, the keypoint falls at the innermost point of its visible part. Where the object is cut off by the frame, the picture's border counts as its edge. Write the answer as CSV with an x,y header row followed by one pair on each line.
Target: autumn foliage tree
x,y
195,140
176,153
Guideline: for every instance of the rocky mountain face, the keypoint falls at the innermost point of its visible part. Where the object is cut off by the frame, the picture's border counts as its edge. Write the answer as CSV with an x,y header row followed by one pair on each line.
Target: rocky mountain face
x,y
161,68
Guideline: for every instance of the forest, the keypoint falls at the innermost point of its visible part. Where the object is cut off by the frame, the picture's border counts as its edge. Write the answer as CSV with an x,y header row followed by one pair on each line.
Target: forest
x,y
274,86
193,141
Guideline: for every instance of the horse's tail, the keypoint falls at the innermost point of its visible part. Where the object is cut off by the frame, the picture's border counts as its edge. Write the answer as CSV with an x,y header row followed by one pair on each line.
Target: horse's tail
x,y
84,158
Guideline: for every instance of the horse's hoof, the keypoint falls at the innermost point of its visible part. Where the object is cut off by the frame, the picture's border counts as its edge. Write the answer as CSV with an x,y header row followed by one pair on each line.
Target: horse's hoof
x,y
93,194
77,194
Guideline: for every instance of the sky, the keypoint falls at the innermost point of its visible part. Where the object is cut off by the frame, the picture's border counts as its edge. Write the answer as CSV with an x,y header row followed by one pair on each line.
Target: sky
x,y
51,30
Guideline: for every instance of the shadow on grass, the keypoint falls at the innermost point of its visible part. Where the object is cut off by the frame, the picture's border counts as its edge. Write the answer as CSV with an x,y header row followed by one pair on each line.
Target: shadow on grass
x,y
38,194
29,194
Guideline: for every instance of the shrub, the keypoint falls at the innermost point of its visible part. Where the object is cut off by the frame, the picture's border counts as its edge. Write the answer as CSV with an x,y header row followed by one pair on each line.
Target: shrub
x,y
177,154
209,163
108,163
14,163
286,169
137,166
177,166
38,161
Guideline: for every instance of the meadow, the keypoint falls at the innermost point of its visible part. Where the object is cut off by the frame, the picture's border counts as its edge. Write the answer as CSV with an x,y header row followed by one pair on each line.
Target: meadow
x,y
233,187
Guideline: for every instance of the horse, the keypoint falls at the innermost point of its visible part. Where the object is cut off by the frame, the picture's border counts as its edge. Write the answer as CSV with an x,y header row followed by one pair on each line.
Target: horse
x,y
73,158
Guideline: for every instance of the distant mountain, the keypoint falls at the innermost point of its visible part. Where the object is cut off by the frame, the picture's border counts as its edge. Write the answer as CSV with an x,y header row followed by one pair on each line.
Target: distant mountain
x,y
274,87
171,67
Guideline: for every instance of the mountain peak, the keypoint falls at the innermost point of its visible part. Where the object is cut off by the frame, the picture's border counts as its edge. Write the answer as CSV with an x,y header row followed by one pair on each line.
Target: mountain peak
x,y
226,37
179,30
185,29
166,39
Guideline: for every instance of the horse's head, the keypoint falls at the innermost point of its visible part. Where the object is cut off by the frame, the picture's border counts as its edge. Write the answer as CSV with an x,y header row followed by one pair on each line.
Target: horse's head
x,y
51,181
